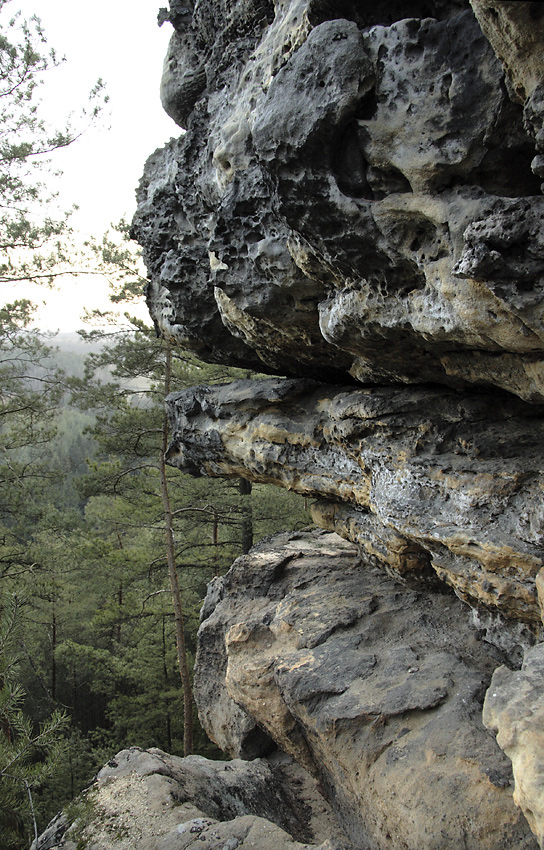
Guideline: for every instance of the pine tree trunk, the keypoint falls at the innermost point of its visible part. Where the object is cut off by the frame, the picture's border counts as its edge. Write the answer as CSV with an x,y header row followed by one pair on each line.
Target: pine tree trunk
x,y
116,629
168,719
244,488
215,528
54,657
174,583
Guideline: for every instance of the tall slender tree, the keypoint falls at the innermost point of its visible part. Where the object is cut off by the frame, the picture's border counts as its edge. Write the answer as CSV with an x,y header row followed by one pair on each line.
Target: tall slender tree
x,y
132,432
205,523
177,602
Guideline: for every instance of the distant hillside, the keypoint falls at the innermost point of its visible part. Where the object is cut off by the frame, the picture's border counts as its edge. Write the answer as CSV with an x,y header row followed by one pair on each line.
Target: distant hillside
x,y
73,342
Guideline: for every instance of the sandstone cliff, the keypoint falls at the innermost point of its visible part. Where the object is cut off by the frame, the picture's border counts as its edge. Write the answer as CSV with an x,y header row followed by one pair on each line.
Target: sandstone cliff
x,y
354,204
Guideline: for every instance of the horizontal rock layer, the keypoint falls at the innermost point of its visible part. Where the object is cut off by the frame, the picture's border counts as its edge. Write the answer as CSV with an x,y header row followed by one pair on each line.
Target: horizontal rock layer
x,y
353,197
376,688
430,483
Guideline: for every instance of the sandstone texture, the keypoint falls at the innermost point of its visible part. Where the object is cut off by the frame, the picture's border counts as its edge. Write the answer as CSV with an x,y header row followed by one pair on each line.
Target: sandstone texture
x,y
353,196
514,709
375,688
153,801
516,32
354,203
432,484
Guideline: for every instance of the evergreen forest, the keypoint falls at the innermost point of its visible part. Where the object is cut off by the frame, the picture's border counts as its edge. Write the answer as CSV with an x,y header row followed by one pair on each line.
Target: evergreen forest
x,y
105,552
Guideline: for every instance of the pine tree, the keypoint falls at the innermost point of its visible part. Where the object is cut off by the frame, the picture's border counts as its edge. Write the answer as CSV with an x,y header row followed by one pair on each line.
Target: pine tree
x,y
31,392
33,239
30,235
27,755
132,431
204,523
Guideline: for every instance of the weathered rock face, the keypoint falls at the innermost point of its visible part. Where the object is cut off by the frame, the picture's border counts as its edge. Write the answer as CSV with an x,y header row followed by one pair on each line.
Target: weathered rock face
x,y
514,709
375,688
356,198
355,204
430,483
350,198
154,801
516,32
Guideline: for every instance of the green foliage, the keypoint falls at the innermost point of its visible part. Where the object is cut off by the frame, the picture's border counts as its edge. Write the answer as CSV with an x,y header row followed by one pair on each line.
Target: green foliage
x,y
212,520
98,632
80,813
27,755
31,393
29,236
82,522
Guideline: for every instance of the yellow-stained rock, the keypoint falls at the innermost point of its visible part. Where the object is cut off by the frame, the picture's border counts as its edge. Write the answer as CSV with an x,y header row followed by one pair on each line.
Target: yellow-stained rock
x,y
514,710
433,484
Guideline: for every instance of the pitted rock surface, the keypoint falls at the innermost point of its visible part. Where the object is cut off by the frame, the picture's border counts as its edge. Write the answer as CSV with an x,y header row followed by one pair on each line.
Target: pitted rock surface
x,y
375,688
326,212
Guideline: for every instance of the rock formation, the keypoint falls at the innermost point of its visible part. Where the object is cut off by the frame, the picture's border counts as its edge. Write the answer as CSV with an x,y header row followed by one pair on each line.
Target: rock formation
x,y
430,483
348,197
355,205
514,708
154,801
375,689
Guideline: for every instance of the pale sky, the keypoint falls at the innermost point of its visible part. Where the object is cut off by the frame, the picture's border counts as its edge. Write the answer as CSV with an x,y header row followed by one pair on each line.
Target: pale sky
x,y
119,41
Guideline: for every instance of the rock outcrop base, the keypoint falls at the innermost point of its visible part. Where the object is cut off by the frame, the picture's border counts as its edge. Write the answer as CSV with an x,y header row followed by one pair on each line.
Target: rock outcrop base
x,y
154,801
375,688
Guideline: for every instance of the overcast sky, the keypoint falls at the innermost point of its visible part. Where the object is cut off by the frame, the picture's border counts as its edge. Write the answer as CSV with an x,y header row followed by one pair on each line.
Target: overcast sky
x,y
119,41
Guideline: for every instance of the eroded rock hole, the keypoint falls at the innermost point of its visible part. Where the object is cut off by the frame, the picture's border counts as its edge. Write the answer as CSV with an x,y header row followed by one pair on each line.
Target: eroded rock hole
x,y
348,164
386,181
368,106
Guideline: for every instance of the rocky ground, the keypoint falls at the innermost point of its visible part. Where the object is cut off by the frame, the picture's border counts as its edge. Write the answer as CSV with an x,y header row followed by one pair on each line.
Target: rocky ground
x,y
153,801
